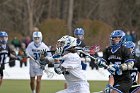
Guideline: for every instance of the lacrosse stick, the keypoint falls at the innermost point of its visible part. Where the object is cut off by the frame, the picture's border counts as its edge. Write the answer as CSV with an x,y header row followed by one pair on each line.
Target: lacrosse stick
x,y
99,92
9,61
135,86
94,58
49,73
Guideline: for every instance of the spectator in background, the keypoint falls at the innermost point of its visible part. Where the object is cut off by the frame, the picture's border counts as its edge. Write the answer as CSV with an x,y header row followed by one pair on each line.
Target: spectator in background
x,y
16,42
128,36
22,55
134,36
27,40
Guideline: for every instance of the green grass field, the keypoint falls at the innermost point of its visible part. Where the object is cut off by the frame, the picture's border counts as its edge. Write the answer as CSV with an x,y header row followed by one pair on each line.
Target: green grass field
x,y
47,86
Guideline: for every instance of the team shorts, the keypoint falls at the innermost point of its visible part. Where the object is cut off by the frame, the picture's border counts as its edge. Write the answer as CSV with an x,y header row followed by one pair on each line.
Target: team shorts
x,y
35,71
124,87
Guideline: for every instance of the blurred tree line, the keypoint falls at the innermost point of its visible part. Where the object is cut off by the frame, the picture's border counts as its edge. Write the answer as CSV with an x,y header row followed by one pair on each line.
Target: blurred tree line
x,y
22,15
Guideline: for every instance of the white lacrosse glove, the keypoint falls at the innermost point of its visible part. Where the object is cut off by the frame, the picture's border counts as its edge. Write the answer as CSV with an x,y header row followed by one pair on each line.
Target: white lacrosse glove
x,y
59,50
87,59
101,62
111,69
57,68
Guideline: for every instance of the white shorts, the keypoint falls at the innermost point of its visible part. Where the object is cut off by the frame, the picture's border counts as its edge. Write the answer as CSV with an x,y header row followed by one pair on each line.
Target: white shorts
x,y
35,71
80,87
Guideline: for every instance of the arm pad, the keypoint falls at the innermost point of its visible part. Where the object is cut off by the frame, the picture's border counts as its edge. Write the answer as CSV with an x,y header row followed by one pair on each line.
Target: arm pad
x,y
127,66
50,59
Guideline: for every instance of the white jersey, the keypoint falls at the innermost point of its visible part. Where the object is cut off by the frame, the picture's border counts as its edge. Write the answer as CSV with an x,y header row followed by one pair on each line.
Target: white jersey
x,y
76,79
34,51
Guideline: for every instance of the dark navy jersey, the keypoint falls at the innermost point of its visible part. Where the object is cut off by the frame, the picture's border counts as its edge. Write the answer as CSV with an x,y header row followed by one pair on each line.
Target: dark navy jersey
x,y
135,70
134,73
4,53
119,57
80,43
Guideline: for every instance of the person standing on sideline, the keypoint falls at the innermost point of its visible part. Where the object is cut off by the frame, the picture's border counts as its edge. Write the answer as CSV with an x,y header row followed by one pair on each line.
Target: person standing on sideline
x,y
69,64
34,50
5,52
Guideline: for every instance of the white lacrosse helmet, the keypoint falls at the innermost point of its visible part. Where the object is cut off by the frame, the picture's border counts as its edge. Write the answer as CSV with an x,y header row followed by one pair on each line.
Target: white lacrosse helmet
x,y
66,42
37,38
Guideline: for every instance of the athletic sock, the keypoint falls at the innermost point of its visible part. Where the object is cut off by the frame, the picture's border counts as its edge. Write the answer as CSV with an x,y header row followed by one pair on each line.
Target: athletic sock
x,y
33,91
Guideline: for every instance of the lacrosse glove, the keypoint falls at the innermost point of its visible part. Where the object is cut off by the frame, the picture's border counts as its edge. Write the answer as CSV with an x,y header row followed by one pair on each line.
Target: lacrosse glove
x,y
101,62
108,88
43,54
57,68
115,69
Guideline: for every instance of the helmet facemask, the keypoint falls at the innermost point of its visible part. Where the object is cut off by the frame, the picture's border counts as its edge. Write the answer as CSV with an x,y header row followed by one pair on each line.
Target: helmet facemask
x,y
3,37
117,37
37,38
66,43
79,33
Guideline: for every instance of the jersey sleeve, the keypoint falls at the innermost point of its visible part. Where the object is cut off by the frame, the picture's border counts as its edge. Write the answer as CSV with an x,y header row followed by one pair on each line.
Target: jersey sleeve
x,y
127,55
28,50
105,55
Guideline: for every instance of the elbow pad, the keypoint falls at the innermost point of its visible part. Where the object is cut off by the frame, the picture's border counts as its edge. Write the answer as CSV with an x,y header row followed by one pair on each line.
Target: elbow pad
x,y
127,66
50,59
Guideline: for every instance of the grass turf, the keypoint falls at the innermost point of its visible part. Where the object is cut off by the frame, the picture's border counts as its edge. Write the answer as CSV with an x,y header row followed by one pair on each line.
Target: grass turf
x,y
47,86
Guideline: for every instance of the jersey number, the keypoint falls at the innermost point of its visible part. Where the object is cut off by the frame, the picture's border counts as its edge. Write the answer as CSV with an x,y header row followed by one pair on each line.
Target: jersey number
x,y
36,56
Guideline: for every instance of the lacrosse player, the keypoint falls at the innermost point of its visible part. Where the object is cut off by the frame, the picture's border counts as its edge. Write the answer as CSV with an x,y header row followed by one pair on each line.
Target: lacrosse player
x,y
134,72
69,64
33,50
79,35
136,69
5,52
120,61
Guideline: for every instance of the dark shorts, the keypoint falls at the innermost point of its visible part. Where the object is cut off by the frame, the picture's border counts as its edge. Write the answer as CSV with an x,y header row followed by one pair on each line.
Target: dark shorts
x,y
1,73
124,87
